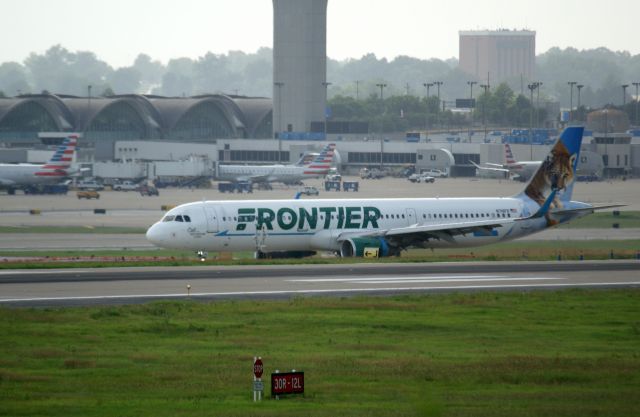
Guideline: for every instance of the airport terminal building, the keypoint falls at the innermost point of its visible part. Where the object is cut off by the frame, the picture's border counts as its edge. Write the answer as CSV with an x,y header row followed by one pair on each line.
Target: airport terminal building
x,y
134,117
151,136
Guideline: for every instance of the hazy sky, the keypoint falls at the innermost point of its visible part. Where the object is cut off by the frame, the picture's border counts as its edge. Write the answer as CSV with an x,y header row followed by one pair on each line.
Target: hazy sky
x,y
118,30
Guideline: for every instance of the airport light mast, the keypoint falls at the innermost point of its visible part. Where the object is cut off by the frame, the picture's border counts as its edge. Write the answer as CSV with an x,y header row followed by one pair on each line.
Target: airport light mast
x,y
571,84
426,117
438,84
636,118
579,87
485,87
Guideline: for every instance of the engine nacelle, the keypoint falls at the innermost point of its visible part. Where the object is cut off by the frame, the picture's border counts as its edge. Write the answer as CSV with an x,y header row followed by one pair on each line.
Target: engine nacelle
x,y
368,247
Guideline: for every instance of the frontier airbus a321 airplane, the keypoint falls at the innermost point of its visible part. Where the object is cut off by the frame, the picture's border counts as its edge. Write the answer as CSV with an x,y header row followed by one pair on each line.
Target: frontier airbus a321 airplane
x,y
379,227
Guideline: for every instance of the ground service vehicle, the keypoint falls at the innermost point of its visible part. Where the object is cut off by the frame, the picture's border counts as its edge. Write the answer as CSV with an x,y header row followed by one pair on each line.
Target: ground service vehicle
x,y
87,194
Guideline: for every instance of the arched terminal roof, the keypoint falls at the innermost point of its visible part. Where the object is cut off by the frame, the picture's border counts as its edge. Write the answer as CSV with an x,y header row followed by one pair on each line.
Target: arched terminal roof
x,y
135,116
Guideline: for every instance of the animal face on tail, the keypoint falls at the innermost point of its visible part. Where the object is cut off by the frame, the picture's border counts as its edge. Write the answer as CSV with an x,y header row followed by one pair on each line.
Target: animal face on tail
x,y
556,173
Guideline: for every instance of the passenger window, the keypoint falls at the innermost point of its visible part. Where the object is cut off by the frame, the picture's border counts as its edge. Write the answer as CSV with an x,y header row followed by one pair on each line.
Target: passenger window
x,y
179,218
186,218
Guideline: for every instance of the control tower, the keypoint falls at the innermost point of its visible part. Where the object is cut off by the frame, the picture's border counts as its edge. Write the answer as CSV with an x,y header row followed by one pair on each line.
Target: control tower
x,y
299,64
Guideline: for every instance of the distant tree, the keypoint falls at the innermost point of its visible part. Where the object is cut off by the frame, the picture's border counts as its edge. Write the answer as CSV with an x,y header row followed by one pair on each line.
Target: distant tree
x,y
2,94
125,80
150,71
108,92
13,78
61,71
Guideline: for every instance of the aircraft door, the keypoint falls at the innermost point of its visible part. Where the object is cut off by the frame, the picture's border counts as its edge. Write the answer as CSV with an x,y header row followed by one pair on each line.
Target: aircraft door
x,y
212,219
411,216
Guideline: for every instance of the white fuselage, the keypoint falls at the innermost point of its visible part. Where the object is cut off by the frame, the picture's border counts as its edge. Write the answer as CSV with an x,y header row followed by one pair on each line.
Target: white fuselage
x,y
301,225
267,173
524,169
23,174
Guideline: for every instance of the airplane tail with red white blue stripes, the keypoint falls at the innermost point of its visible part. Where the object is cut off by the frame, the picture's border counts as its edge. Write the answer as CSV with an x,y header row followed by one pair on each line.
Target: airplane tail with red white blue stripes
x,y
60,162
321,164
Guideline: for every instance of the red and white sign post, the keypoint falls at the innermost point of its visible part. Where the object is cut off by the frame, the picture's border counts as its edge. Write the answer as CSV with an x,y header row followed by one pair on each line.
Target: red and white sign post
x,y
258,387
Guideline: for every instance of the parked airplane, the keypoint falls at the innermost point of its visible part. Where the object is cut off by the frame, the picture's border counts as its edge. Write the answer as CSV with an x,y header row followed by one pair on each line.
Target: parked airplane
x,y
522,170
289,174
379,227
13,176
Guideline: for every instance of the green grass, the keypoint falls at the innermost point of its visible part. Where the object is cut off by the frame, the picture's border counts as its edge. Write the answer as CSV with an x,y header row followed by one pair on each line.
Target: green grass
x,y
567,353
509,251
605,220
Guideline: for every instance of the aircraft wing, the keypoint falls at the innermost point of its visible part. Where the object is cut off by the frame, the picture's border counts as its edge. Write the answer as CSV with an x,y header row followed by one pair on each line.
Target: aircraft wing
x,y
490,168
416,234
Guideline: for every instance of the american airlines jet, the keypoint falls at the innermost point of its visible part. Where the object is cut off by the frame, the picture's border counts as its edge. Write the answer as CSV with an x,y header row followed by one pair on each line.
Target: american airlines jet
x,y
14,176
289,174
522,170
380,227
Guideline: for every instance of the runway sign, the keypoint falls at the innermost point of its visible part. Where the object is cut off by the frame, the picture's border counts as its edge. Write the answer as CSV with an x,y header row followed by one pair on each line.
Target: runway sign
x,y
287,383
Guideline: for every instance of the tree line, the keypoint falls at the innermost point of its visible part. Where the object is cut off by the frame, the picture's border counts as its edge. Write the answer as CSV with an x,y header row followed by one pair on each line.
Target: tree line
x,y
353,81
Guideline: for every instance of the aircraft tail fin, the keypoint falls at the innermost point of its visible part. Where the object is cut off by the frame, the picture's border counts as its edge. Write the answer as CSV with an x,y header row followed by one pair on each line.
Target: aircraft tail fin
x,y
508,155
322,163
60,162
557,173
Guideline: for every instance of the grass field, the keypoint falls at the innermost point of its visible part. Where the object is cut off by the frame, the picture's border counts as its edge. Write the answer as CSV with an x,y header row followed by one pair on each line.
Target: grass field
x,y
567,353
509,251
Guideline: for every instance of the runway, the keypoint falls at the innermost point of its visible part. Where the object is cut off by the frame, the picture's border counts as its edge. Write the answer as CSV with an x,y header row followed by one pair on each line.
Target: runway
x,y
73,287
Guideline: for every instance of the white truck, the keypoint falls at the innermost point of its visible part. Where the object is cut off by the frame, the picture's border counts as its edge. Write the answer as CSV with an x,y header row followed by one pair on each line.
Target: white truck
x,y
126,186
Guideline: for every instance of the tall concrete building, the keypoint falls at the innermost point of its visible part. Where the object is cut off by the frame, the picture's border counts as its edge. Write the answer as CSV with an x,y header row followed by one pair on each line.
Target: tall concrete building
x,y
299,64
498,54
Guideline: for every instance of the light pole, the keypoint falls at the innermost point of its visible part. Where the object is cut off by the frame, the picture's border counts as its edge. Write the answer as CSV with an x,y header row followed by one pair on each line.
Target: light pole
x,y
471,83
579,87
636,118
89,97
426,117
485,87
279,84
571,84
438,84
326,85
381,86
531,87
538,85
624,95
358,89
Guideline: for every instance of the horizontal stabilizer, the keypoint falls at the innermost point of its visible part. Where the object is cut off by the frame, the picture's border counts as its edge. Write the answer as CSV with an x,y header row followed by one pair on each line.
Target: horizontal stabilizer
x,y
586,209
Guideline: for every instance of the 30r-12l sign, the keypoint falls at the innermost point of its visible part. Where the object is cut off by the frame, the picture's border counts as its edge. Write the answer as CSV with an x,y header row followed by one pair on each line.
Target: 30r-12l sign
x,y
287,383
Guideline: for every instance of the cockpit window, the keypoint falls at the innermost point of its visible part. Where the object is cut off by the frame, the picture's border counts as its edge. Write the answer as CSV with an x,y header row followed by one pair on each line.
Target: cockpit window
x,y
177,218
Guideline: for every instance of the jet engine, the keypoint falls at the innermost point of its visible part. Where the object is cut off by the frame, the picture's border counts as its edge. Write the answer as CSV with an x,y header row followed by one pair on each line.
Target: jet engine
x,y
368,247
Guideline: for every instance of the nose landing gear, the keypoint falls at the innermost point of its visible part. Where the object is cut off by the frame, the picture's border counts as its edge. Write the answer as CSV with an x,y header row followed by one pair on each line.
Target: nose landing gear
x,y
202,255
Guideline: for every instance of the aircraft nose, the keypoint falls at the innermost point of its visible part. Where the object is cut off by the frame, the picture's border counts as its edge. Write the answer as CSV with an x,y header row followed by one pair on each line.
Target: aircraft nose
x,y
154,235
